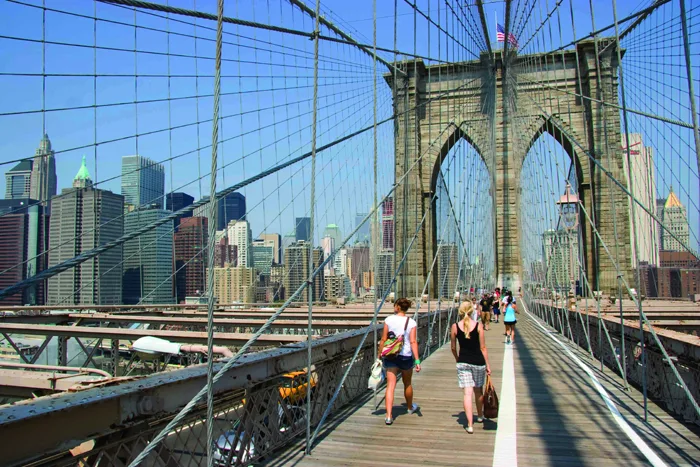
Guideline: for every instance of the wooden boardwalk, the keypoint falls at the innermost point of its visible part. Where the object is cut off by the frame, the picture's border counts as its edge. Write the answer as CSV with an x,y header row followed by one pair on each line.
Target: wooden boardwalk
x,y
560,418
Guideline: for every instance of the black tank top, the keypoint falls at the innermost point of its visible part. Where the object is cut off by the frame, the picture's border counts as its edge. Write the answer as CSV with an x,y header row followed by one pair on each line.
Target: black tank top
x,y
470,349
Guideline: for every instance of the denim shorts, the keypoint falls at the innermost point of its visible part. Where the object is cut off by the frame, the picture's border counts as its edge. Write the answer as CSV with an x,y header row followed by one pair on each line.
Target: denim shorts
x,y
401,362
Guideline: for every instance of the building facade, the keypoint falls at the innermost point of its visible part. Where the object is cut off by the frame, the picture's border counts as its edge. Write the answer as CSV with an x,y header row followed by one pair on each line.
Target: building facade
x,y
328,245
643,187
675,218
23,243
233,285
561,250
190,258
303,229
263,257
18,184
336,287
84,218
229,208
225,255
359,264
273,240
363,234
148,259
385,271
175,201
240,236
388,224
296,261
143,182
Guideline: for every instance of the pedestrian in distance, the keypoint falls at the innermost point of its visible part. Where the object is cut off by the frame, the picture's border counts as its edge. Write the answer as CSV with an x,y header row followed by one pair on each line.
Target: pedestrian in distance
x,y
485,304
472,363
496,307
509,319
396,326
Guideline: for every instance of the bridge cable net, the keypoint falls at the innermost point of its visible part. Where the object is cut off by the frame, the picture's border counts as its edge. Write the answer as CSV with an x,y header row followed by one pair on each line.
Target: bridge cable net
x,y
609,184
148,69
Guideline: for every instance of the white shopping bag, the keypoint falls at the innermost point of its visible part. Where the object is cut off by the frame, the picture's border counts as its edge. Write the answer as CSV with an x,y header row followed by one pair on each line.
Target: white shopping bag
x,y
376,376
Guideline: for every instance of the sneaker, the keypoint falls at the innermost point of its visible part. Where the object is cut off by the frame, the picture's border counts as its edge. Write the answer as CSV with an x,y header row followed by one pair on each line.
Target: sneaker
x,y
507,339
413,409
470,430
479,419
388,421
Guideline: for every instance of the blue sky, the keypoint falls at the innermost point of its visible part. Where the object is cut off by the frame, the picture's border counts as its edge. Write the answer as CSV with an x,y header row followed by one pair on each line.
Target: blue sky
x,y
282,65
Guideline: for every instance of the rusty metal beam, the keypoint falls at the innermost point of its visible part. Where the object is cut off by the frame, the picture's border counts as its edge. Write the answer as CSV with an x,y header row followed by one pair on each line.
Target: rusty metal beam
x,y
189,337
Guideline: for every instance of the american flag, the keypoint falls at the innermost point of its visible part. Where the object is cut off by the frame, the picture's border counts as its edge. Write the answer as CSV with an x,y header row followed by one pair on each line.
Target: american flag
x,y
501,36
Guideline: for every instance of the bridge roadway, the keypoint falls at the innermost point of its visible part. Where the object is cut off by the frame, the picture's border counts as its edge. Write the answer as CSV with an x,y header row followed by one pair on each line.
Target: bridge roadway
x,y
551,414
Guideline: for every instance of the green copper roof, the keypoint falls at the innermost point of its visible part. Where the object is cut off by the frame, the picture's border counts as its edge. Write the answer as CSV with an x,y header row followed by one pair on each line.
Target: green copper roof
x,y
83,173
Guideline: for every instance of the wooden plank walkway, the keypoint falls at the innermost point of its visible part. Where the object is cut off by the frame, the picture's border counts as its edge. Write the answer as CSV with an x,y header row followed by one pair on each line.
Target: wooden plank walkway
x,y
561,419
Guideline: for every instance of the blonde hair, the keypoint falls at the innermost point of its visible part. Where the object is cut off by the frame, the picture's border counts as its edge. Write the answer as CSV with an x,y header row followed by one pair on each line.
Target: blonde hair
x,y
464,309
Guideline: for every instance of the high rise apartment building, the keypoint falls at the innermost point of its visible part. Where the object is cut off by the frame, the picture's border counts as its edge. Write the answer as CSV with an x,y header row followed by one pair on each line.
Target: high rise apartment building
x,y
84,218
328,245
561,253
385,272
336,287
359,264
287,241
190,258
240,236
148,259
233,285
675,218
296,262
225,255
23,241
643,187
143,182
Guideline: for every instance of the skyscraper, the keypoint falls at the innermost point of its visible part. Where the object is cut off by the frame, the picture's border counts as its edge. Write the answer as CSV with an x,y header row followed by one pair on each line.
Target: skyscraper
x,y
18,181
359,264
561,252
363,234
303,229
273,240
675,218
174,201
43,177
448,270
643,187
287,241
23,237
230,208
84,218
148,259
263,256
190,257
328,245
143,181
296,261
333,231
241,237
385,260
388,224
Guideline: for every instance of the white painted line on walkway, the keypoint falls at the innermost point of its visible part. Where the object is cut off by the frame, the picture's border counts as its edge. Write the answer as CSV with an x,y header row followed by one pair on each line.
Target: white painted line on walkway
x,y
505,452
617,416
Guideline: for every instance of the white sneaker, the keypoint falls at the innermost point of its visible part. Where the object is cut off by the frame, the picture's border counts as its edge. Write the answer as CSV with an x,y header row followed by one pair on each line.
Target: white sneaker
x,y
479,419
470,430
413,409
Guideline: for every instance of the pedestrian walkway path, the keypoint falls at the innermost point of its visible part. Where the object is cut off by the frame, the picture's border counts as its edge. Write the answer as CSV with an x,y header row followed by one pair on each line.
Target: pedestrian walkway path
x,y
557,416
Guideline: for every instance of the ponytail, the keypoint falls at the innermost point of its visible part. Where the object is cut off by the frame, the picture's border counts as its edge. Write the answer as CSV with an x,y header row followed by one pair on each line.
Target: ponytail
x,y
464,309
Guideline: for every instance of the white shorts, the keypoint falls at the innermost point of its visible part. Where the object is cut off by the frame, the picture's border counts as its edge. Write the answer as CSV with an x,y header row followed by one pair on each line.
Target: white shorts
x,y
470,376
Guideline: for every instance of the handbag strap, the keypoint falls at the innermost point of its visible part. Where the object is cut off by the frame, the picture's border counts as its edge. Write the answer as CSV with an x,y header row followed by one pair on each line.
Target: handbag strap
x,y
406,325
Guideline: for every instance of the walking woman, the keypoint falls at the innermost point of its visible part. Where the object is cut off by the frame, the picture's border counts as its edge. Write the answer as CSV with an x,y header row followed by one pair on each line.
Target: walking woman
x,y
403,363
472,362
509,319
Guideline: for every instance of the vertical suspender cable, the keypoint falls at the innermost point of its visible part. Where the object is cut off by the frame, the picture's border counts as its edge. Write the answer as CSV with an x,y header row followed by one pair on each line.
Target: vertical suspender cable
x,y
310,290
212,237
635,242
375,240
691,87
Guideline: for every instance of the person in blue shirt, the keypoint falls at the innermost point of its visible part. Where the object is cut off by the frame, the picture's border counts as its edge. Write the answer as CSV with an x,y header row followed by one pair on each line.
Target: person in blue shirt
x,y
509,319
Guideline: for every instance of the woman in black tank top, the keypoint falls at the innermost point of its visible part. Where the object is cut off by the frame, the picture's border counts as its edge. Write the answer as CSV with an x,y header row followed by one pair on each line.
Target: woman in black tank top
x,y
472,362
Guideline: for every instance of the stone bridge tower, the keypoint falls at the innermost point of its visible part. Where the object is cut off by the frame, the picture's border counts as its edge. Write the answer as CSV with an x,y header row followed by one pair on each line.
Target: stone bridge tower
x,y
501,107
